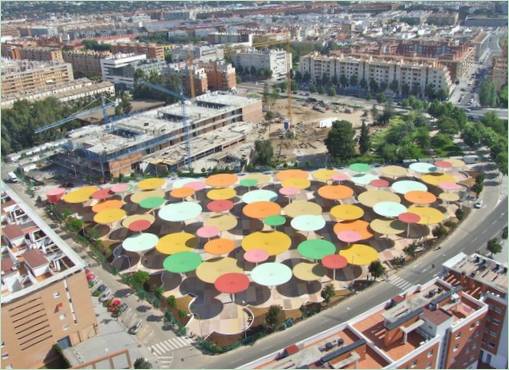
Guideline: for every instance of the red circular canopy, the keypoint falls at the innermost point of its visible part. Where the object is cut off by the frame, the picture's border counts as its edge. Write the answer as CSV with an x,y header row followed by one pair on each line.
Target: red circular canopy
x,y
220,205
379,183
334,261
232,282
101,194
443,164
409,218
139,225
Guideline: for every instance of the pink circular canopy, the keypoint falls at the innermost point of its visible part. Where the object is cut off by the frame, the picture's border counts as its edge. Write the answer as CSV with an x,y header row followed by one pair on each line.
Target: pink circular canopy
x,y
409,218
340,177
348,236
101,194
232,282
451,186
119,188
195,185
207,231
443,164
220,205
55,192
334,261
289,191
139,225
256,255
379,183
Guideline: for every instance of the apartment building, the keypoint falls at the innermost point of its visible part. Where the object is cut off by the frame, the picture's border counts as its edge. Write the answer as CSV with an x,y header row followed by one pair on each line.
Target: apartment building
x,y
22,76
151,51
415,76
230,38
199,78
486,280
430,326
85,63
45,296
499,71
41,53
113,68
278,61
220,75
198,53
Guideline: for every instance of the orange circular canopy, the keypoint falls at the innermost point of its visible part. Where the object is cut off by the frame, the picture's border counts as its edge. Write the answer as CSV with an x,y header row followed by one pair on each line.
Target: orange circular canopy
x,y
219,246
335,192
261,210
107,204
420,197
182,192
358,226
221,180
291,174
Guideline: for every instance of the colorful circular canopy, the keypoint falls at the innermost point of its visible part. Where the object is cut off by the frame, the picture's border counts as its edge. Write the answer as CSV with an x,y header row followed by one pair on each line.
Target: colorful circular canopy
x,y
274,220
298,183
272,242
422,167
389,209
136,218
359,254
261,179
443,164
182,262
219,246
256,255
437,179
363,180
220,205
207,232
181,193
119,188
449,197
429,216
271,274
101,194
394,171
140,225
248,182
450,186
210,271
291,174
221,180
140,243
349,236
259,196
308,223
340,176
289,191
222,222
195,185
335,192
316,249
386,227
359,226
409,218
178,212
379,183
140,195
182,182
456,163
334,261
306,271
109,216
151,203
324,175
420,197
109,204
232,282
221,194
404,186
176,243
346,212
261,210
151,183
371,197
80,195
302,207
359,167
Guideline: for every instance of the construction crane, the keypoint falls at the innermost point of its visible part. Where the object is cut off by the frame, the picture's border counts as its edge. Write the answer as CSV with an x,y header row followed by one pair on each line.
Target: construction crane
x,y
103,107
190,76
185,120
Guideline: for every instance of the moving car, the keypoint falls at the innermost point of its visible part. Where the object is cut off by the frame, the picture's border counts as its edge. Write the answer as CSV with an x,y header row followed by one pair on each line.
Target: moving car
x,y
136,327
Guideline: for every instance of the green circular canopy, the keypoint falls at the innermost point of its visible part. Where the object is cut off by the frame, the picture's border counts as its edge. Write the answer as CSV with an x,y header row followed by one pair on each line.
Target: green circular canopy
x,y
152,202
274,220
248,182
316,249
182,262
359,167
271,274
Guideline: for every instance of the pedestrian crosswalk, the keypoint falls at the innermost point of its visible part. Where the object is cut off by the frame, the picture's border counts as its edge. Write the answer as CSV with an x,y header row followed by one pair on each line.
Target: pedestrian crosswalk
x,y
169,345
399,282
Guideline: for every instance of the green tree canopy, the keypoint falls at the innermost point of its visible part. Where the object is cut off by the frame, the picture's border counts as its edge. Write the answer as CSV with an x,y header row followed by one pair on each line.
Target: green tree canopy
x,y
263,152
376,269
339,141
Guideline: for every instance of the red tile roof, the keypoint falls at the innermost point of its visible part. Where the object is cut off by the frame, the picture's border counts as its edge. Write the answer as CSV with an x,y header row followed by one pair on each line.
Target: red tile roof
x,y
35,258
6,265
436,317
12,231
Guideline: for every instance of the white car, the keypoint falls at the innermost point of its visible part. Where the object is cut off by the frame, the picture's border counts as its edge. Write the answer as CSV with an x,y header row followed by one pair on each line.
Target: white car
x,y
478,204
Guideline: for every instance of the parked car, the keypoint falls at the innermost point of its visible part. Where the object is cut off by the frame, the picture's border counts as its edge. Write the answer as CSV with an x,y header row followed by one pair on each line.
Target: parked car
x,y
105,296
119,310
478,204
136,327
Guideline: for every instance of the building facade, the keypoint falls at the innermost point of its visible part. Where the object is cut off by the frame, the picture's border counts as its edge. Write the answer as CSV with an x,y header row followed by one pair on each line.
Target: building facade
x,y
45,296
151,51
277,61
114,69
220,75
85,63
41,53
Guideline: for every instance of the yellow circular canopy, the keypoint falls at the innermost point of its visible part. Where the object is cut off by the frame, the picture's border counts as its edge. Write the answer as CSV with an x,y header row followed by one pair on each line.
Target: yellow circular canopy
x,y
394,171
182,192
437,179
299,183
221,194
261,210
273,242
221,222
291,174
144,217
107,204
80,195
109,216
260,178
346,212
359,254
449,197
302,207
324,174
358,226
221,180
456,163
177,242
140,195
371,197
151,183
335,192
387,227
308,271
209,271
429,216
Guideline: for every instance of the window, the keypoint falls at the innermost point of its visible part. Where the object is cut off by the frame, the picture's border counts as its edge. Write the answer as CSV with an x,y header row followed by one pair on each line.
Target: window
x,y
455,348
458,335
430,354
493,333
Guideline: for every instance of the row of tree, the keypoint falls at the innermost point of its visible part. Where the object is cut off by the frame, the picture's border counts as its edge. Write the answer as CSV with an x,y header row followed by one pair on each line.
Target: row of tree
x,y
490,97
253,73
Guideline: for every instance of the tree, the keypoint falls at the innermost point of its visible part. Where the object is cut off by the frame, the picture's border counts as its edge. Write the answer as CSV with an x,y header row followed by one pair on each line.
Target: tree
x,y
274,317
394,86
327,293
263,152
339,141
410,250
374,113
168,57
332,91
373,85
125,103
354,80
429,91
488,94
142,363
447,125
460,214
320,89
439,231
343,80
388,112
364,139
363,83
376,269
140,278
494,246
94,45
171,301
